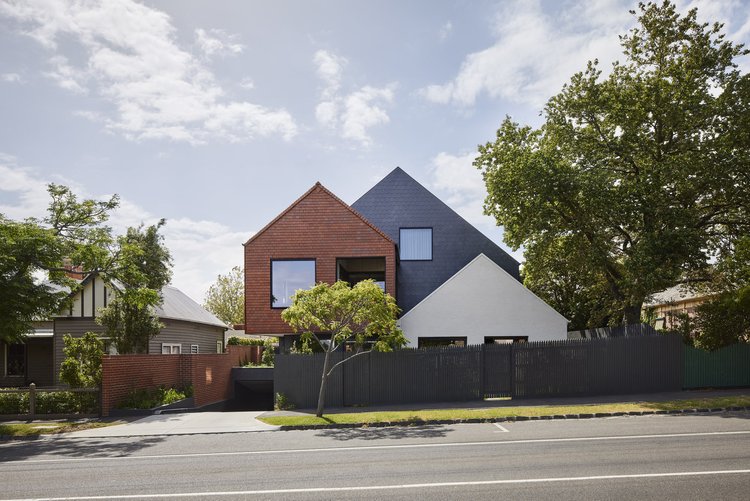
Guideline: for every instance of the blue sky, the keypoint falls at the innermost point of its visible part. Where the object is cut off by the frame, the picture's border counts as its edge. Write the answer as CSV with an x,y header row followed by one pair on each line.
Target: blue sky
x,y
217,115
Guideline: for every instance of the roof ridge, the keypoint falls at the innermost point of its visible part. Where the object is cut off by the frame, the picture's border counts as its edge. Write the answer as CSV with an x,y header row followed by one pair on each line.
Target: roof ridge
x,y
320,186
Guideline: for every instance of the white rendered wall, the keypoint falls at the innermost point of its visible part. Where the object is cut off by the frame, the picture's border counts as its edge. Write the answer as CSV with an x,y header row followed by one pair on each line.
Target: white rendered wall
x,y
482,300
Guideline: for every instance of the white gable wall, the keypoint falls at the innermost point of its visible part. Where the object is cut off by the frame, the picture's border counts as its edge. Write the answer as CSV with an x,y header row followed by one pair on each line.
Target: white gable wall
x,y
482,300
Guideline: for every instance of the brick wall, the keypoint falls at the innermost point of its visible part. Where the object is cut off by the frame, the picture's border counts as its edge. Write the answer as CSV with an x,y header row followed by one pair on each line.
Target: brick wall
x,y
209,374
318,226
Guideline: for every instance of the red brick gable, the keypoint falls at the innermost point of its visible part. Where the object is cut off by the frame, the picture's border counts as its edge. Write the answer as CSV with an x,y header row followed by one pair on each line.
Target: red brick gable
x,y
317,226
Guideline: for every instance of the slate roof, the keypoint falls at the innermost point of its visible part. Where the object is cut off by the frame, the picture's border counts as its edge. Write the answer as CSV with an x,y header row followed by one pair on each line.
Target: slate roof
x,y
674,294
399,201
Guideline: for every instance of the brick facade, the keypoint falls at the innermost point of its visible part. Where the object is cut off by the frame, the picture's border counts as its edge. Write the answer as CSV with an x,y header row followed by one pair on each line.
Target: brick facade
x,y
317,226
210,374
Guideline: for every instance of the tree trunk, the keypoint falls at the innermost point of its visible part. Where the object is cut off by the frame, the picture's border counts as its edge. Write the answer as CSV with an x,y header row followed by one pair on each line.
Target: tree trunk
x,y
632,313
323,378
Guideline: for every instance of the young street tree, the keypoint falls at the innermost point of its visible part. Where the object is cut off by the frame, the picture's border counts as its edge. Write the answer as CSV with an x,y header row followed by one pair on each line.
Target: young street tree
x,y
73,229
635,179
359,314
226,297
144,268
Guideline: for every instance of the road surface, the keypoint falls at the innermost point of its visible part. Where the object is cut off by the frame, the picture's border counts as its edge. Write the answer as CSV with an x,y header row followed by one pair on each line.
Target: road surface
x,y
645,457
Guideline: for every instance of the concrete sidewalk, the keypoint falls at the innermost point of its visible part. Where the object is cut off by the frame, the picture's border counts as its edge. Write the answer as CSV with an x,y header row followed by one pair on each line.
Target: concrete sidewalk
x,y
180,424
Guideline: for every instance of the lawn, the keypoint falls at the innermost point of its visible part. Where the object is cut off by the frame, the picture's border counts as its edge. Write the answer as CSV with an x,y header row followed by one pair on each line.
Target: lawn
x,y
366,418
50,427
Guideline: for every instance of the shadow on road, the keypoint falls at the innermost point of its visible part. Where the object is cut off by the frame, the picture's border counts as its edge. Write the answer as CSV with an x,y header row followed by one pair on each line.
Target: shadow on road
x,y
394,433
65,448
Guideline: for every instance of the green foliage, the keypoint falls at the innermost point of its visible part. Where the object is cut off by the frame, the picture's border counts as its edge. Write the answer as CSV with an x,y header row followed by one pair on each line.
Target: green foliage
x,y
226,297
635,179
242,341
362,314
82,367
144,268
73,229
267,357
57,402
282,403
148,398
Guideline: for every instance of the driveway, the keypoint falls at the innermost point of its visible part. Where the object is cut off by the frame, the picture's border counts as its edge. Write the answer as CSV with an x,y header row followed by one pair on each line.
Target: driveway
x,y
181,424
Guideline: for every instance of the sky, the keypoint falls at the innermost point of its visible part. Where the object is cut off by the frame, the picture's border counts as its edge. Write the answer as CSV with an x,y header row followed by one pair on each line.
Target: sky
x,y
218,115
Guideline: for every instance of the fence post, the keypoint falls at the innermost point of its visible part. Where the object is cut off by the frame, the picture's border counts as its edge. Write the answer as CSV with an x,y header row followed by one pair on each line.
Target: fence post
x,y
512,358
482,363
32,399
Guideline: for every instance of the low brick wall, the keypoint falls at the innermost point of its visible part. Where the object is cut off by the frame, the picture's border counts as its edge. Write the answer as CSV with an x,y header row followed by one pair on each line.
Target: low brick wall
x,y
209,374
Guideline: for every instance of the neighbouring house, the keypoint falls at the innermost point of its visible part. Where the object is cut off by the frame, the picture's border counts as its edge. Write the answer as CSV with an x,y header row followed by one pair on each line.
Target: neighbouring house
x,y
188,328
668,306
453,284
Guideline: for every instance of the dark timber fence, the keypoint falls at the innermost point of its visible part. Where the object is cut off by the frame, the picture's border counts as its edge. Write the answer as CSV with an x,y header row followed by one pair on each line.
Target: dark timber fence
x,y
540,369
724,368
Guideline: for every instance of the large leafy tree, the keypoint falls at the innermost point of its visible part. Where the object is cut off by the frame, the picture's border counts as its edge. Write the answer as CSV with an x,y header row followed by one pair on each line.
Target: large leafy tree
x,y
225,298
73,229
356,315
640,176
144,268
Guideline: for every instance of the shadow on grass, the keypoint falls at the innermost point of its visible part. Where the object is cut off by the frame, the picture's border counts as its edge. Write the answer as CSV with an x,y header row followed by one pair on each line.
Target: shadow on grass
x,y
390,433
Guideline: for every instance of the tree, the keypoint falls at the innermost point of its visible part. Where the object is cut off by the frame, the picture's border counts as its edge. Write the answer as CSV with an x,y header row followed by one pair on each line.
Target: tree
x,y
73,229
357,315
641,176
82,367
226,297
144,268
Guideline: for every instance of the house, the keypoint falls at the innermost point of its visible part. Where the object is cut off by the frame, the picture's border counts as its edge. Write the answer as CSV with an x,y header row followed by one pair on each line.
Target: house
x,y
453,284
188,328
668,306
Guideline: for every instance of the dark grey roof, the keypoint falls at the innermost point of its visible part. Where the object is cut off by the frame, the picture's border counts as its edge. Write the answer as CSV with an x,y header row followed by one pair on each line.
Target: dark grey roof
x,y
178,306
398,201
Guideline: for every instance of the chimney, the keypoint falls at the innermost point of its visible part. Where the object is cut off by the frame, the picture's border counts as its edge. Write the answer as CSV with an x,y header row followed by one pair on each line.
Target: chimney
x,y
74,272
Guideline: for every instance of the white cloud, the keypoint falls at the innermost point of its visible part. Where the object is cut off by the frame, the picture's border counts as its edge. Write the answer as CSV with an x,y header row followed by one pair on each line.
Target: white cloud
x,y
247,83
10,77
351,114
536,51
217,42
445,31
200,249
131,58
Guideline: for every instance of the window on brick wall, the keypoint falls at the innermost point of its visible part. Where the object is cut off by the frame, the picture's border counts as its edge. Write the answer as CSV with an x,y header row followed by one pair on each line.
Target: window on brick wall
x,y
287,277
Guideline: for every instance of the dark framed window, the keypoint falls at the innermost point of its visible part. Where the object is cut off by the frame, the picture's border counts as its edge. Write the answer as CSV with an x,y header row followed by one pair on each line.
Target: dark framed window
x,y
287,277
15,359
415,244
432,342
505,339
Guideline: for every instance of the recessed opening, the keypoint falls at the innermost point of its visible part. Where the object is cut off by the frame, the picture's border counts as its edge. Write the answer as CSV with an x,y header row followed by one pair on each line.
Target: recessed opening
x,y
355,269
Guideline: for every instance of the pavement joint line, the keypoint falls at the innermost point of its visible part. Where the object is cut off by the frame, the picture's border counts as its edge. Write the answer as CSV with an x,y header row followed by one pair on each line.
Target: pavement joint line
x,y
502,428
360,488
384,447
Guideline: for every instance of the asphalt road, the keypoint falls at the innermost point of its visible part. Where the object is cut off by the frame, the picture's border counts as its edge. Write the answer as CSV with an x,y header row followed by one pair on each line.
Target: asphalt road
x,y
648,457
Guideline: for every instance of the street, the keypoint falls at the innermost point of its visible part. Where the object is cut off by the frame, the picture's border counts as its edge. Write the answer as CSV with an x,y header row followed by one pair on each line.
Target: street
x,y
679,457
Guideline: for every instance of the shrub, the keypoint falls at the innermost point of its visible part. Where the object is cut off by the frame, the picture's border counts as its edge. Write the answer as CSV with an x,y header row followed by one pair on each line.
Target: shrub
x,y
242,341
82,367
282,403
148,398
267,357
14,403
57,402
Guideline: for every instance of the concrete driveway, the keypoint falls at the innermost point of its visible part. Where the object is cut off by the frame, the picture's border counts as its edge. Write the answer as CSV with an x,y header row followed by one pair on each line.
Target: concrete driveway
x,y
181,424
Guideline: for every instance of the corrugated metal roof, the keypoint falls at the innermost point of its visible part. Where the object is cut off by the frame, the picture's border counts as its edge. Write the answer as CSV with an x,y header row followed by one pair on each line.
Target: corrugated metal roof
x,y
178,306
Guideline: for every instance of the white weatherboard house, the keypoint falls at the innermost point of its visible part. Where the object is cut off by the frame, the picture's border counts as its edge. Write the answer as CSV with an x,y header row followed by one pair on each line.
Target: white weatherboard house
x,y
483,303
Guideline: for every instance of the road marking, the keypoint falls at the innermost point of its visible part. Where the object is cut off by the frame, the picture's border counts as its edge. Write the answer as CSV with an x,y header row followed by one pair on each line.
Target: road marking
x,y
501,427
383,447
394,487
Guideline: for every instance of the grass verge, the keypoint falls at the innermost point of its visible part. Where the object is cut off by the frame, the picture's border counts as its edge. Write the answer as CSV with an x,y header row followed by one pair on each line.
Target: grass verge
x,y
366,418
50,427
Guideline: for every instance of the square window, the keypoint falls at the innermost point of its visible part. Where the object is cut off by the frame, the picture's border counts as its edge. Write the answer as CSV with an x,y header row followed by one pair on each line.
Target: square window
x,y
415,244
287,277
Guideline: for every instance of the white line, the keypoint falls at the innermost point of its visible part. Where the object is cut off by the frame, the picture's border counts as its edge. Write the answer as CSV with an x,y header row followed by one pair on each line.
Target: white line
x,y
502,428
381,447
394,487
